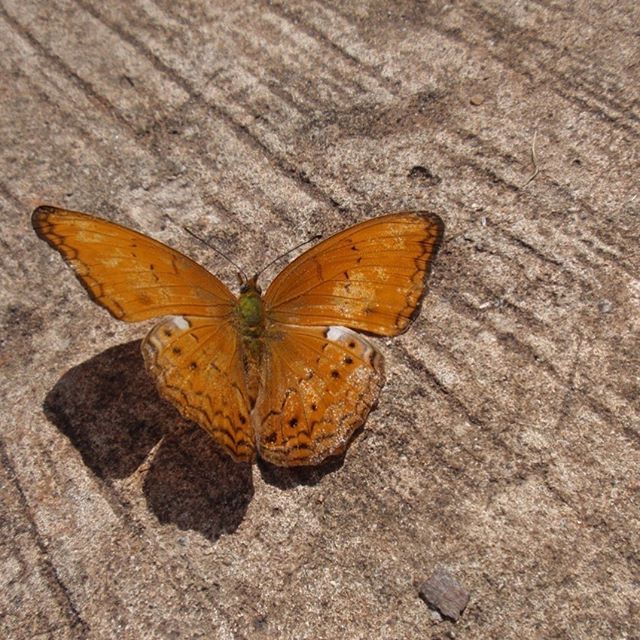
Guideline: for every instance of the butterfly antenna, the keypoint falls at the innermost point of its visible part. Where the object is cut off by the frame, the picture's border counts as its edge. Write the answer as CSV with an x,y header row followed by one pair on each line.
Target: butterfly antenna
x,y
218,251
286,253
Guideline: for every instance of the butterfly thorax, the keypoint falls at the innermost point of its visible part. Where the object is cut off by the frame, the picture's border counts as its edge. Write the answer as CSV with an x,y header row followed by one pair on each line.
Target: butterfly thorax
x,y
250,310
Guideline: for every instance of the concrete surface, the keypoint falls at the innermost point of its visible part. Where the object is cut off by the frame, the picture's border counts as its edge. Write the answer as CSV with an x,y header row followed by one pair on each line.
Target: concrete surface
x,y
506,446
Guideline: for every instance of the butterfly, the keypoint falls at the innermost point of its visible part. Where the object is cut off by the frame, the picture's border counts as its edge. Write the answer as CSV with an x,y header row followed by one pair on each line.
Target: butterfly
x,y
285,375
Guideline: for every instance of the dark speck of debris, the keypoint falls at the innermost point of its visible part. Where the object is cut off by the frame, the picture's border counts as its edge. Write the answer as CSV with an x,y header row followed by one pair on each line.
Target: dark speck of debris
x,y
260,623
443,593
418,172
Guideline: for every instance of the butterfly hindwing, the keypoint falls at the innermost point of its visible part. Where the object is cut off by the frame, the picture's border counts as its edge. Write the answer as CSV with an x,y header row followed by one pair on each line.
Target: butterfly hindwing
x,y
197,365
370,277
319,385
131,275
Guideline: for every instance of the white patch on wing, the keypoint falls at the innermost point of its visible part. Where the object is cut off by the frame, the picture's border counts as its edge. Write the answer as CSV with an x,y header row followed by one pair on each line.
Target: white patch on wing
x,y
179,322
336,333
344,336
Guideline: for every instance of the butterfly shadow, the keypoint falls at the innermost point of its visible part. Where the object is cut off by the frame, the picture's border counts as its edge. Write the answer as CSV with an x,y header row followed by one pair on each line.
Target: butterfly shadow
x,y
290,477
110,410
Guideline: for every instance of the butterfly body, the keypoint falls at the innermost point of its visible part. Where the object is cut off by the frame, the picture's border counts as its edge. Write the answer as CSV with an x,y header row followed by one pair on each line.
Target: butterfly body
x,y
285,373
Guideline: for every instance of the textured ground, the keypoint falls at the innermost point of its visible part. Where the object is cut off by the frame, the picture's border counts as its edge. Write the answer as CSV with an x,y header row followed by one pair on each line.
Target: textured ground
x,y
506,446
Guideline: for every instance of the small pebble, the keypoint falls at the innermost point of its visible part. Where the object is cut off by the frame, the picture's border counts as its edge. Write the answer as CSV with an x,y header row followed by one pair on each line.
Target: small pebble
x,y
444,593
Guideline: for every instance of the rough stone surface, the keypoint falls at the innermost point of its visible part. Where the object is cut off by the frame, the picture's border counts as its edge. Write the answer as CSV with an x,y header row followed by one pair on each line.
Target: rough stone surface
x,y
507,441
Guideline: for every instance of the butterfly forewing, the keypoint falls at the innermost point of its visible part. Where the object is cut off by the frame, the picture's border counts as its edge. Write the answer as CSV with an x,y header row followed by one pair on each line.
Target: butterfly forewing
x,y
371,276
131,275
319,385
197,365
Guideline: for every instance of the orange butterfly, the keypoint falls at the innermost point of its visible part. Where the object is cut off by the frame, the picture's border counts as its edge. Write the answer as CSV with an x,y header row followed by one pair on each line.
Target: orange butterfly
x,y
283,373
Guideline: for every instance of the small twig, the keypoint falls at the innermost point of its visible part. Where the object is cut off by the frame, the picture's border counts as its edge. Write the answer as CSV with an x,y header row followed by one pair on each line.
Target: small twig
x,y
534,159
